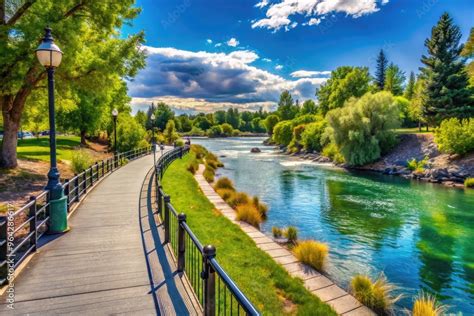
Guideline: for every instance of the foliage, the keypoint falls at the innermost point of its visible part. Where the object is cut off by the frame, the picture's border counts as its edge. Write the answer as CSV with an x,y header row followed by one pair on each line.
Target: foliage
x,y
141,118
295,144
374,294
426,305
287,109
332,151
291,234
403,105
163,114
455,136
394,79
410,88
363,129
270,122
227,129
380,73
277,232
309,107
130,134
312,253
469,183
311,137
208,174
202,123
193,166
249,214
224,183
199,150
261,207
468,52
232,117
415,111
225,194
170,133
81,160
283,132
215,131
447,91
345,82
417,166
238,198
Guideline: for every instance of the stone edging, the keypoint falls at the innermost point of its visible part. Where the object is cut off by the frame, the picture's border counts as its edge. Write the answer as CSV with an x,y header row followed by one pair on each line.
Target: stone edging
x,y
319,285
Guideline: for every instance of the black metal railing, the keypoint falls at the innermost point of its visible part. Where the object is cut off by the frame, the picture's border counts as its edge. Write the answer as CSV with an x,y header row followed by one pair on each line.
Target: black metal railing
x,y
20,230
215,290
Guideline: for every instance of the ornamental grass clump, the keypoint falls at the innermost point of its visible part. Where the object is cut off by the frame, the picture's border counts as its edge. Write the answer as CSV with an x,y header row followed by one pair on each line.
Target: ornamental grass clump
x,y
261,207
374,294
249,214
193,166
81,160
469,183
199,151
224,183
426,305
277,232
209,174
312,253
238,198
291,234
225,194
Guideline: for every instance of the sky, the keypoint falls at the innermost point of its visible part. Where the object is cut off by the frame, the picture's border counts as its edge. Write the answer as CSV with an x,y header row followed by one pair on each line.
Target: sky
x,y
208,55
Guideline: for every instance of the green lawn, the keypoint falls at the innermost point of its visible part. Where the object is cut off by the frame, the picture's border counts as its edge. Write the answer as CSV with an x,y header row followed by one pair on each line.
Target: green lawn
x,y
412,130
38,148
264,281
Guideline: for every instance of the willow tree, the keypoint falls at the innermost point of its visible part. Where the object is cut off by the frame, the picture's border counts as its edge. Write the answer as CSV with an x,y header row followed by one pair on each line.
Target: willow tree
x,y
87,32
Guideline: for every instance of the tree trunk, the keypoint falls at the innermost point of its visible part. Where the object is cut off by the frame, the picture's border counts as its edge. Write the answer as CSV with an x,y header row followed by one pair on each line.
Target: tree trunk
x,y
419,125
10,139
83,138
427,127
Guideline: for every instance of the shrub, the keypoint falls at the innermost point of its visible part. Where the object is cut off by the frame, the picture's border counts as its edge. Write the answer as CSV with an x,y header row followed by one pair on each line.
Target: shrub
x,y
262,207
469,183
376,295
455,137
211,164
235,132
209,174
249,214
215,131
363,128
224,183
277,232
130,134
291,234
170,133
238,198
179,143
426,305
270,122
81,160
417,166
193,166
227,129
331,151
283,132
199,151
225,194
311,137
312,253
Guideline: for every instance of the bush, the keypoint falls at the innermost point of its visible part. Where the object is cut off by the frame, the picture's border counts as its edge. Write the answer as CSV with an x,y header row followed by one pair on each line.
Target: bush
x,y
227,129
376,295
469,183
291,234
426,305
331,151
209,174
179,143
417,166
249,214
283,133
170,135
311,137
261,207
81,160
277,232
199,151
238,198
312,253
215,131
193,166
130,133
225,194
363,128
270,122
455,137
224,183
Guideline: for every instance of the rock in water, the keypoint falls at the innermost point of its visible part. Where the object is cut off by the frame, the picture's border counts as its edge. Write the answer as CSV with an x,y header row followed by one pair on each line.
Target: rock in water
x,y
255,150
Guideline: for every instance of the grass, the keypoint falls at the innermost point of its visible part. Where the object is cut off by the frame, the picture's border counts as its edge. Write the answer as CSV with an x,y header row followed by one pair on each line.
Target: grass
x,y
291,233
426,305
312,253
277,232
412,130
469,183
374,294
266,283
38,148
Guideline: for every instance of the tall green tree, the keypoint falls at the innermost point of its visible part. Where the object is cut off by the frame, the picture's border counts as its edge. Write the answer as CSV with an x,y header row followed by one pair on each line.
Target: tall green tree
x,y
380,72
270,122
345,82
394,79
140,117
219,117
87,32
233,117
287,109
309,107
410,88
468,52
163,114
447,91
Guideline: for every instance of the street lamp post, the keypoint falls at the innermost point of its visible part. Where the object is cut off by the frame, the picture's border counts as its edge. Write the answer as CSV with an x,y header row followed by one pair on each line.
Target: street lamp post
x,y
49,55
153,143
114,117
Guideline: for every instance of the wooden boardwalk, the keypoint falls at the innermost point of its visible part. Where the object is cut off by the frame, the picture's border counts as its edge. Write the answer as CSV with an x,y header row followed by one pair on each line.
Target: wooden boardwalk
x,y
321,286
99,267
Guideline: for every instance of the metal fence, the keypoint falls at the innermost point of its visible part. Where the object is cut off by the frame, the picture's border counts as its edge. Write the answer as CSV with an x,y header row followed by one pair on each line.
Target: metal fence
x,y
21,229
215,290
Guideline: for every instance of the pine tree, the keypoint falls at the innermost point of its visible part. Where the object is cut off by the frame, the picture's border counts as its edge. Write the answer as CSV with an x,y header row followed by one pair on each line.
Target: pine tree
x,y
410,88
447,91
382,63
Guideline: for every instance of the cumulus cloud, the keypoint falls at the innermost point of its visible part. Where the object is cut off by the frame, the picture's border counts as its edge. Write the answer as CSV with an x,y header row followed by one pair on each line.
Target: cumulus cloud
x,y
262,4
233,42
207,81
278,67
309,73
209,41
268,60
278,15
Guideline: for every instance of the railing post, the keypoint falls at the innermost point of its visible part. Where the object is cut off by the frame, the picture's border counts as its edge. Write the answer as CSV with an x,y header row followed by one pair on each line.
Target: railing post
x,y
92,175
66,193
159,199
34,219
103,168
181,242
115,161
167,200
4,249
209,276
85,181
76,185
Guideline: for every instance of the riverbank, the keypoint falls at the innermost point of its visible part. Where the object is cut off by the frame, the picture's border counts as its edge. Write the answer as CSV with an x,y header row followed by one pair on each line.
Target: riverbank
x,y
448,170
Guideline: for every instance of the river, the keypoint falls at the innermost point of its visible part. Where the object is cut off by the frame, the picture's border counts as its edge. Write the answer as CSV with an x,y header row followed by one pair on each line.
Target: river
x,y
420,235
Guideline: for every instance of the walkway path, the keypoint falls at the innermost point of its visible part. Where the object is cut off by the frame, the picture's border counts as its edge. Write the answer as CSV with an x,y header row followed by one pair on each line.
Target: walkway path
x,y
99,267
342,302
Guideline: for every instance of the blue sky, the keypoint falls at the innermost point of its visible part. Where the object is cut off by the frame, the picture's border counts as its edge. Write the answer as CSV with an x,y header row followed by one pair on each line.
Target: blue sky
x,y
208,55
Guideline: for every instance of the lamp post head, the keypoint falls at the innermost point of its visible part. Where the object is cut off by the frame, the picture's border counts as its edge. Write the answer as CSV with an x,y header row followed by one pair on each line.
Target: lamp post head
x,y
152,117
114,113
49,55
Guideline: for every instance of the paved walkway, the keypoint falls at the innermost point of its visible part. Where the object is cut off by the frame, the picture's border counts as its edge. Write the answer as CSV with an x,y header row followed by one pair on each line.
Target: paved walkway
x,y
342,302
99,267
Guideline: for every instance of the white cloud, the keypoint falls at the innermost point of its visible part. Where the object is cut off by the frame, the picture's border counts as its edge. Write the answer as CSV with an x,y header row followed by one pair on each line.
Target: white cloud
x,y
262,4
218,45
209,41
233,42
207,81
278,14
268,60
309,73
278,67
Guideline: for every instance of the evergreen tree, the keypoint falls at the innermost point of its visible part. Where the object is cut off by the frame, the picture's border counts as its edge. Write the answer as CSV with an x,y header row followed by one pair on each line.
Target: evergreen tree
x,y
410,88
233,118
382,64
447,91
394,79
